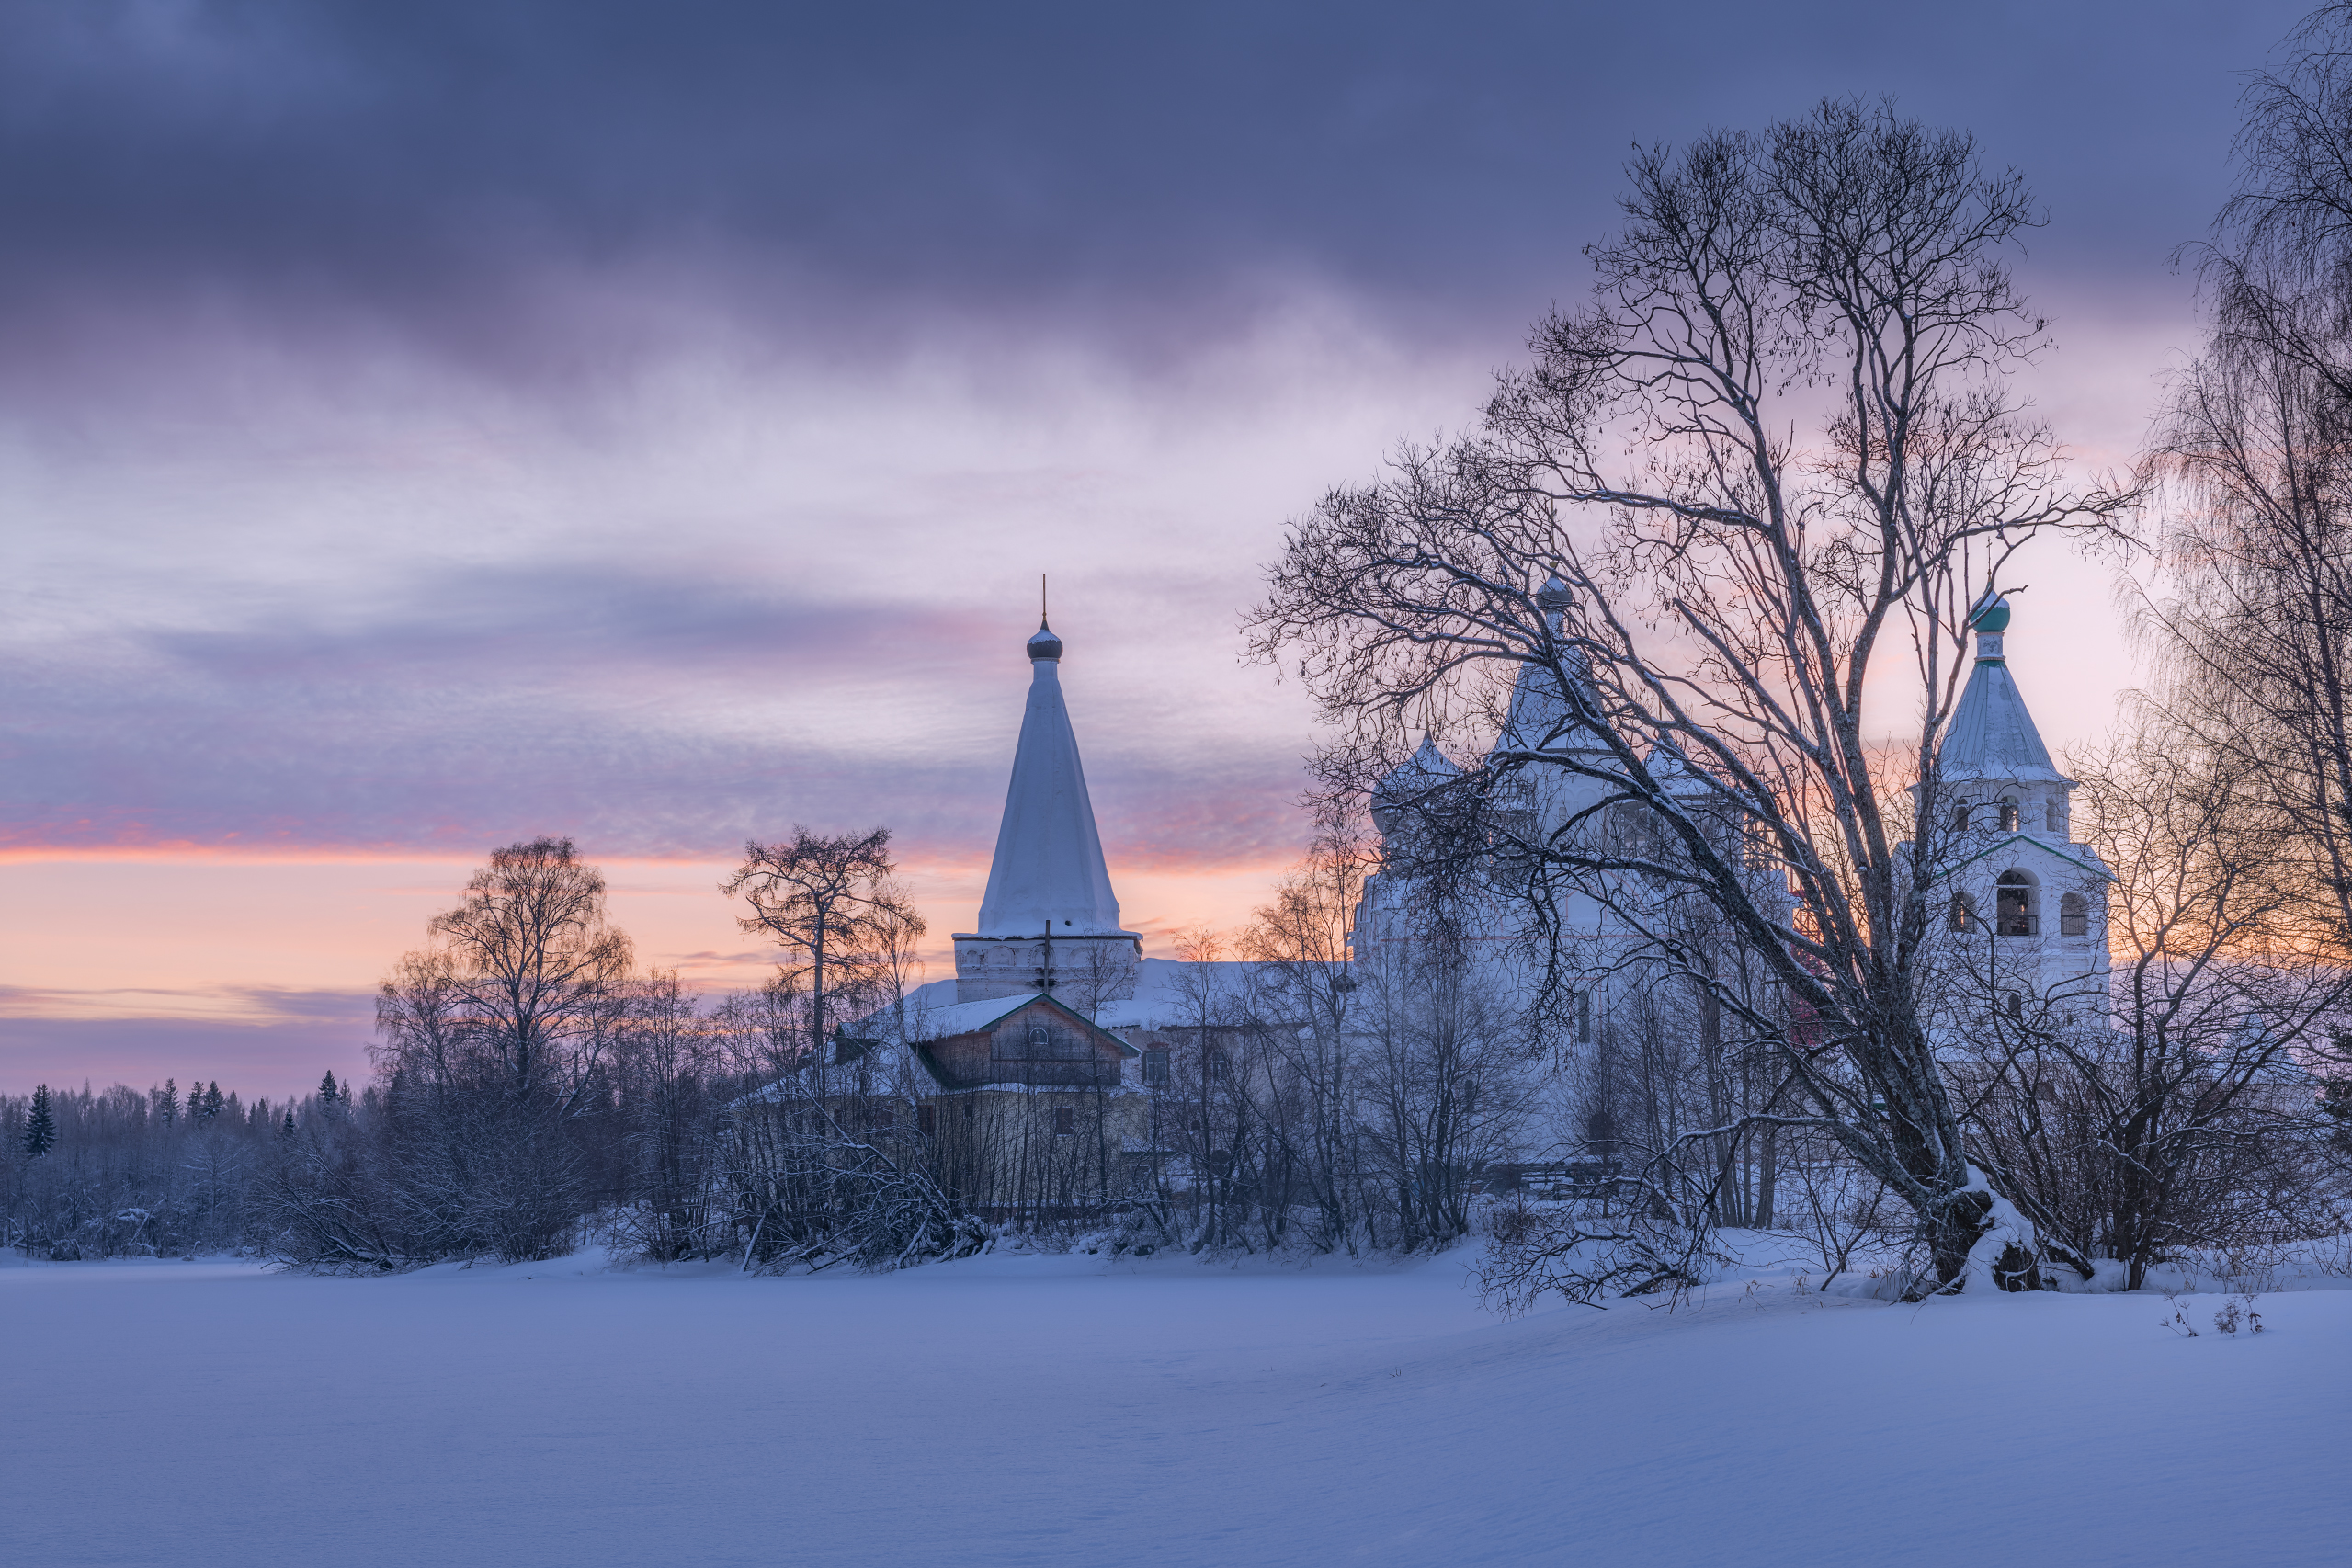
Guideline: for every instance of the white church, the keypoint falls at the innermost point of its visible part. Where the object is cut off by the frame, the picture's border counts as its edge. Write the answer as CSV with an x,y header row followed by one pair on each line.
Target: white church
x,y
2023,905
1049,921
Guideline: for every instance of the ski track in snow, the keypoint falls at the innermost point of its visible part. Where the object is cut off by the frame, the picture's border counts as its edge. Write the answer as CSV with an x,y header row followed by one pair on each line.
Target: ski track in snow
x,y
1059,1410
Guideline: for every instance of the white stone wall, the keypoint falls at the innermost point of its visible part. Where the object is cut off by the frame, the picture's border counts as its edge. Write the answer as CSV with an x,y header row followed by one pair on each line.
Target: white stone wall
x,y
1083,970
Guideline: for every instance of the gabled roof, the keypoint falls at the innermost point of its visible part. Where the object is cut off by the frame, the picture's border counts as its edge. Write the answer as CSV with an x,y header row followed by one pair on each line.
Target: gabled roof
x,y
968,1018
2068,853
962,1017
1167,991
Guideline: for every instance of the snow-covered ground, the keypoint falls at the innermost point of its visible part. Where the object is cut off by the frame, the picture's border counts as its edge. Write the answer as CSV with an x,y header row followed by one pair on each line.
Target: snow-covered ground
x,y
1063,1410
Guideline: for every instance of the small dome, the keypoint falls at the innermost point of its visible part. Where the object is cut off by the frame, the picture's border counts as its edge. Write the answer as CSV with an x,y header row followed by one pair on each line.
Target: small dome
x,y
1992,614
1408,786
1554,595
1044,644
1426,769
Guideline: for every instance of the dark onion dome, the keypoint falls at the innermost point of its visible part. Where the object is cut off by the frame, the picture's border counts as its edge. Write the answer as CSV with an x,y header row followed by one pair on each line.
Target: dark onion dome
x,y
1045,644
1553,596
1990,614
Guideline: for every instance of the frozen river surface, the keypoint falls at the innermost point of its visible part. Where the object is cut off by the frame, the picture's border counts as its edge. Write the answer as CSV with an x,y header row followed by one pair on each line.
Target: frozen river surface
x,y
1060,1410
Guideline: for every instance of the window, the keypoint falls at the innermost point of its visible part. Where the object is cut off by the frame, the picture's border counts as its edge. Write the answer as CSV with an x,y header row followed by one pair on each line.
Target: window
x,y
1583,1005
1041,1043
1963,912
1219,1068
2012,1007
2008,814
1065,1120
2074,915
1960,817
2056,819
968,1106
1155,1067
1636,832
2014,916
927,1117
882,1117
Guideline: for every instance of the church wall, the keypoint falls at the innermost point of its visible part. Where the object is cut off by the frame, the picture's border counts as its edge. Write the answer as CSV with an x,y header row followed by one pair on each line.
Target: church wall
x,y
1084,972
2045,975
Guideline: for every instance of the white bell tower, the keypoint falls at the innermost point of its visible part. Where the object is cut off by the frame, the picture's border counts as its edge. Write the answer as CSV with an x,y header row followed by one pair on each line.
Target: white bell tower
x,y
2022,906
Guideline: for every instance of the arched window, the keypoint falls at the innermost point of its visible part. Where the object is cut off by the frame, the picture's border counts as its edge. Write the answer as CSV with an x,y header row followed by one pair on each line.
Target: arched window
x,y
2014,914
2055,819
2012,1007
1960,816
2074,915
1963,912
2008,814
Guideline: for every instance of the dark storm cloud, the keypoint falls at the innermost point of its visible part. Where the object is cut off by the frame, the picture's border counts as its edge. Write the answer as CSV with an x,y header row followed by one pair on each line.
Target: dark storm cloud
x,y
852,171
499,184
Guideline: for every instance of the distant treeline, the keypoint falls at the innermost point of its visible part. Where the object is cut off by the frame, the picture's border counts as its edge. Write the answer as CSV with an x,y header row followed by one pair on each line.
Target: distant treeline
x,y
100,1173
532,1089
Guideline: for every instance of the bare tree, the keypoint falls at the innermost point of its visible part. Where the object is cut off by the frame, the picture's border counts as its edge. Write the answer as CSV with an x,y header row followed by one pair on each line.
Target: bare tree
x,y
2253,622
2193,1123
667,1067
1302,996
531,962
831,900
1841,275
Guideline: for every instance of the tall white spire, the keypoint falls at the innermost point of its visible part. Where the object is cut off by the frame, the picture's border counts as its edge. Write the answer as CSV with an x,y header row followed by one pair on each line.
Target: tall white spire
x,y
1049,870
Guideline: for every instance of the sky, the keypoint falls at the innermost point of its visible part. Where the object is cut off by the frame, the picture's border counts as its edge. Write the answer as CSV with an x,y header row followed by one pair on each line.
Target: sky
x,y
424,426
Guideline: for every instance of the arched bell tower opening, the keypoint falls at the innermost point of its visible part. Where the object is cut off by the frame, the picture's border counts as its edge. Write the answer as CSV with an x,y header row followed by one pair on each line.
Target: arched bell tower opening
x,y
2014,895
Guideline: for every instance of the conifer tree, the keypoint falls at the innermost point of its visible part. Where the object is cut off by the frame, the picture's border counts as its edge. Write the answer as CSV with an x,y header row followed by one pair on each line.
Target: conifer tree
x,y
328,1093
40,1127
168,1107
212,1101
288,1128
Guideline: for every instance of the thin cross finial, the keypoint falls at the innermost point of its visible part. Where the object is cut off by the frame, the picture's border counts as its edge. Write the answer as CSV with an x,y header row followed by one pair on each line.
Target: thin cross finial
x,y
1041,598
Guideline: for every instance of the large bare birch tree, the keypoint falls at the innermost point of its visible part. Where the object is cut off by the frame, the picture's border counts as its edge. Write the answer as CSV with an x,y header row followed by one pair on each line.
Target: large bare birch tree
x,y
1771,464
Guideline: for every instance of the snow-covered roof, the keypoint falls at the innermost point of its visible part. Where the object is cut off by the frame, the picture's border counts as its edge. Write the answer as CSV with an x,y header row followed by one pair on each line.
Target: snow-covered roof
x,y
925,1022
1428,768
1169,994
1049,867
1164,996
2080,856
1673,776
1992,735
